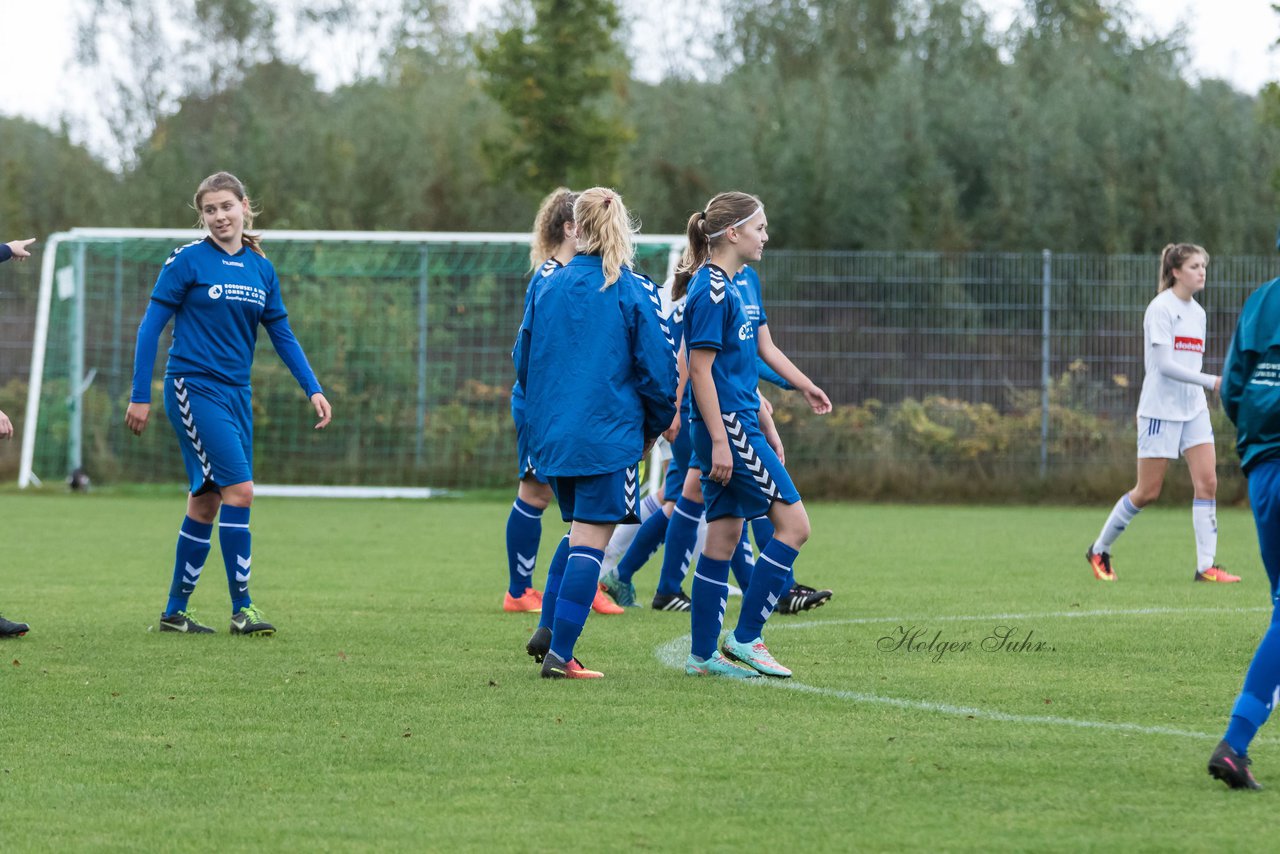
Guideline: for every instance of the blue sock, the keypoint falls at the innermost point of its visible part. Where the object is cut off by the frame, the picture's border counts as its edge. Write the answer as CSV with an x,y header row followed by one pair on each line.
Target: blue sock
x,y
648,538
743,561
682,538
524,532
237,553
581,574
762,530
194,541
555,574
1261,682
710,597
768,583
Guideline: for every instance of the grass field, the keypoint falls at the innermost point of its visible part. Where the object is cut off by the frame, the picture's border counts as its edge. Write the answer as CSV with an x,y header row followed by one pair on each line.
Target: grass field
x,y
396,708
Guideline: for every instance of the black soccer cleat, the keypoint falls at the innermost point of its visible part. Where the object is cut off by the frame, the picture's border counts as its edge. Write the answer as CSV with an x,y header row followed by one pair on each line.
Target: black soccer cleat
x,y
184,622
672,602
539,644
1231,768
10,629
802,598
249,621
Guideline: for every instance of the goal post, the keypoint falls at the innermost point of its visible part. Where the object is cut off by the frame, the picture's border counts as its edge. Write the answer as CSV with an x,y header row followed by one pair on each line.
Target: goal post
x,y
409,332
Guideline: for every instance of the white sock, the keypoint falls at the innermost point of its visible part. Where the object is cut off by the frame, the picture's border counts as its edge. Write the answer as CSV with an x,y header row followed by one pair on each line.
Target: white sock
x,y
1204,519
650,504
1121,515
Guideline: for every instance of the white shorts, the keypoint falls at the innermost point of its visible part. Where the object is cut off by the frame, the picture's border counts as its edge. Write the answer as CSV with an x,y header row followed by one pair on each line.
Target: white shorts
x,y
1168,440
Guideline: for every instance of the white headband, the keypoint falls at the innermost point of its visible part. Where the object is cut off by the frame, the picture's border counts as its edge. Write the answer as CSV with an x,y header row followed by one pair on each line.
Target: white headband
x,y
742,221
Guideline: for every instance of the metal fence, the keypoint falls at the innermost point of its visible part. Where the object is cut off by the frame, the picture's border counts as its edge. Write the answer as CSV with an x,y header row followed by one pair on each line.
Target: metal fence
x,y
997,331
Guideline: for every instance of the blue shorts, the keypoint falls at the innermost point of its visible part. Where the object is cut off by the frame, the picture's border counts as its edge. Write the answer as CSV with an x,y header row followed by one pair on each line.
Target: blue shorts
x,y
759,478
524,458
681,449
214,423
599,499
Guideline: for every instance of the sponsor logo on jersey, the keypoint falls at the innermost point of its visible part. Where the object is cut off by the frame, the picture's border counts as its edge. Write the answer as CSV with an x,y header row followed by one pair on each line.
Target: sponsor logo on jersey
x,y
215,291
1191,345
746,331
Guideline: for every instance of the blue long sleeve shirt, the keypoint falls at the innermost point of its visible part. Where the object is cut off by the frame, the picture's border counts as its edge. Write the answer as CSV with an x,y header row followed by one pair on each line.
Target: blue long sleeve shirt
x,y
217,301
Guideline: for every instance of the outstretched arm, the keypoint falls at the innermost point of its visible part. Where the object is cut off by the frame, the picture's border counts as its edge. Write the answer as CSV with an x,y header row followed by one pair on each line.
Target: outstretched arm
x,y
290,351
16,249
776,359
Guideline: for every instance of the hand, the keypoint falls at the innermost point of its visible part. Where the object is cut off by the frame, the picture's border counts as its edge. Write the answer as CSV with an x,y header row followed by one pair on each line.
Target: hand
x,y
6,427
19,248
323,410
764,403
721,462
1217,386
136,416
674,430
818,400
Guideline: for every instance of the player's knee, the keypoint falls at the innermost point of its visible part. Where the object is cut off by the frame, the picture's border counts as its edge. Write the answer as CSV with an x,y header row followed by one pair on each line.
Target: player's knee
x,y
535,494
692,490
1144,496
1207,487
793,529
238,495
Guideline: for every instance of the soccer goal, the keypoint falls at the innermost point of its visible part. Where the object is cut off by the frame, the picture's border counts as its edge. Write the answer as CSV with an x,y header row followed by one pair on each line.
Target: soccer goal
x,y
409,332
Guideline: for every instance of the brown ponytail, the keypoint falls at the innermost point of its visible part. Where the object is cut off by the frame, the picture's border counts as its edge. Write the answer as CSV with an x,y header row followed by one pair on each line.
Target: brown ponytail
x,y
555,212
723,212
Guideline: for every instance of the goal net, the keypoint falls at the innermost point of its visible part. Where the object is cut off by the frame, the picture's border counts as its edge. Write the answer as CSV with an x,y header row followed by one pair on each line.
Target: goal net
x,y
410,334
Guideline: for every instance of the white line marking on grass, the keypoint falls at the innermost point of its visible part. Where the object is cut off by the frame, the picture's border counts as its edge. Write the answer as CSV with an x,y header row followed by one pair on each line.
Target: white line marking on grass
x,y
1103,612
672,654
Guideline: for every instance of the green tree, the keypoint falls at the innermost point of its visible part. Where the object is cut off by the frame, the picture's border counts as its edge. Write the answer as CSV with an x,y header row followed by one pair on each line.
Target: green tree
x,y
561,76
48,183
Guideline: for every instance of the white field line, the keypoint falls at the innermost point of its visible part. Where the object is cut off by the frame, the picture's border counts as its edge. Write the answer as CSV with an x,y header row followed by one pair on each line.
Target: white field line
x,y
672,654
775,625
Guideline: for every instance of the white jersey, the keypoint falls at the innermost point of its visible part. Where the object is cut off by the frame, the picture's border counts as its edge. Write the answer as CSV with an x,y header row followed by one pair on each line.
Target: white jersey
x,y
1170,322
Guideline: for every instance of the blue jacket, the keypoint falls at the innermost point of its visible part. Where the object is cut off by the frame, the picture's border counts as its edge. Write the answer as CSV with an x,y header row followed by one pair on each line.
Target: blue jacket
x,y
548,267
598,372
1251,377
5,252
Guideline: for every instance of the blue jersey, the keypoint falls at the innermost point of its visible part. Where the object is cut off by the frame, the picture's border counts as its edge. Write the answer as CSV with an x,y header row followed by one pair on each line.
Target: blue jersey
x,y
548,267
716,318
218,300
598,372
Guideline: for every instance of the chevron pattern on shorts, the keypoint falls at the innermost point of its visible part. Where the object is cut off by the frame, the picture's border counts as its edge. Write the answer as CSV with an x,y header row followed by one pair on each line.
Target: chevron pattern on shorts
x,y
741,446
189,424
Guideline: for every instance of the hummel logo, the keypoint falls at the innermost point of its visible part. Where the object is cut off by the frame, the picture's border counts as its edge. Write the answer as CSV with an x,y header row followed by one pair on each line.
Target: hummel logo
x,y
242,576
244,562
524,565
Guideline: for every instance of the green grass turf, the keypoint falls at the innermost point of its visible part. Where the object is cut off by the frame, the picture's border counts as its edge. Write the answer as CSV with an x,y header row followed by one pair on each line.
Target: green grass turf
x,y
396,708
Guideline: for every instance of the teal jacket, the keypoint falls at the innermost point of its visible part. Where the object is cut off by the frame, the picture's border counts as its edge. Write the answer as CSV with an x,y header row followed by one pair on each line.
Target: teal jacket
x,y
1251,377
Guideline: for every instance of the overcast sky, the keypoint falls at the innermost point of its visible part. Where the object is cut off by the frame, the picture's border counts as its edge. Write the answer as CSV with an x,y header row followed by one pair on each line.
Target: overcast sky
x,y
1230,39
